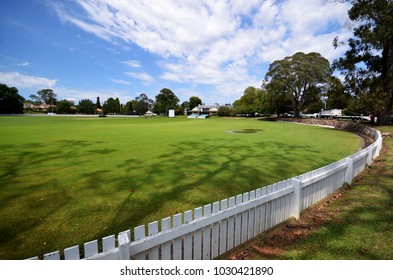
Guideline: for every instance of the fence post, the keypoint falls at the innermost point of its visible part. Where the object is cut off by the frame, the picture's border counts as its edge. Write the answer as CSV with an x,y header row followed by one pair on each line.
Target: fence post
x,y
378,140
370,156
377,149
295,203
379,144
124,248
349,173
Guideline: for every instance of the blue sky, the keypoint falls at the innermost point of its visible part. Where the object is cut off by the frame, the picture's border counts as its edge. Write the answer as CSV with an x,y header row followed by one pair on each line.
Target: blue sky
x,y
121,48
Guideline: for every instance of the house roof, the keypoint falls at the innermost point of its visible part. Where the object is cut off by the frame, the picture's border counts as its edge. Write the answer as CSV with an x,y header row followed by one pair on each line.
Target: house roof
x,y
43,106
210,107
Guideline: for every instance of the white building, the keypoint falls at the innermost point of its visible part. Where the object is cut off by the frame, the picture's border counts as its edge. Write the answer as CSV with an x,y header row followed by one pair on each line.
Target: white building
x,y
211,110
331,113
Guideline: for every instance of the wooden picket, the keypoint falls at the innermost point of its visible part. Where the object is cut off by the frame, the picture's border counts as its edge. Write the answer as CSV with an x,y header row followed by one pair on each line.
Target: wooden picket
x,y
198,236
188,253
166,247
223,233
215,232
231,226
206,234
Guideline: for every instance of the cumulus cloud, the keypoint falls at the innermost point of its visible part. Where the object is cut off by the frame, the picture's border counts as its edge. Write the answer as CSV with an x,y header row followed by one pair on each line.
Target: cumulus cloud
x,y
122,82
219,43
78,94
146,78
15,79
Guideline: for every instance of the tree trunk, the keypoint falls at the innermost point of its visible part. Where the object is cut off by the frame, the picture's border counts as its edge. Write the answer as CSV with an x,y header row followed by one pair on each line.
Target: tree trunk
x,y
384,118
296,108
387,83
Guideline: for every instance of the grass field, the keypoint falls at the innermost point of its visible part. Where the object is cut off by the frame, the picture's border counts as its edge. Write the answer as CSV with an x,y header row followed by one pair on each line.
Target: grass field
x,y
361,228
68,180
354,223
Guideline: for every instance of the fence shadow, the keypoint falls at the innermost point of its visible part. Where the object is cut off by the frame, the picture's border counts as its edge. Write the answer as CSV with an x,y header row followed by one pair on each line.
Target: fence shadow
x,y
364,232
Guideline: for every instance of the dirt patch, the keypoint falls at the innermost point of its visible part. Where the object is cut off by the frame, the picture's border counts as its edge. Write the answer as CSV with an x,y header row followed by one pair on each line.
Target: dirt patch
x,y
274,243
367,140
246,131
352,126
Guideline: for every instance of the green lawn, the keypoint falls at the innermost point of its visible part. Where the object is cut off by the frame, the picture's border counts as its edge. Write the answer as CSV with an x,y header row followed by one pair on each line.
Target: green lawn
x,y
354,223
362,227
68,180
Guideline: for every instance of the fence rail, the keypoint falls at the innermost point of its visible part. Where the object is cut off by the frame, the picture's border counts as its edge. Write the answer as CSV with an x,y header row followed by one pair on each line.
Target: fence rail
x,y
207,232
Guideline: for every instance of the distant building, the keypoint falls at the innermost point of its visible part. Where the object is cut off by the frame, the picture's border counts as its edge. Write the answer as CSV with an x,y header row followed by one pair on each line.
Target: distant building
x,y
43,107
28,106
211,110
149,114
331,113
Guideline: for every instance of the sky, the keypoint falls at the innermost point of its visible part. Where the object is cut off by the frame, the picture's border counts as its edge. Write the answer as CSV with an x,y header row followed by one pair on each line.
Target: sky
x,y
121,48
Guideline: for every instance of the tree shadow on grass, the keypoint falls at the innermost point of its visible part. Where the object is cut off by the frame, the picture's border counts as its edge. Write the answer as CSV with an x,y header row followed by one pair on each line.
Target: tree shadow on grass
x,y
364,233
182,181
25,217
27,206
134,192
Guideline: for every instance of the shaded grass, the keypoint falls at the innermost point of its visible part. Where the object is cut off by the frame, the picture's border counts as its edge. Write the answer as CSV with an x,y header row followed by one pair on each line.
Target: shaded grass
x,y
65,181
355,223
362,228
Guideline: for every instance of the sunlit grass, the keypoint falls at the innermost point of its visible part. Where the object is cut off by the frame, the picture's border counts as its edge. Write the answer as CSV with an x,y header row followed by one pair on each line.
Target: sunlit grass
x,y
65,181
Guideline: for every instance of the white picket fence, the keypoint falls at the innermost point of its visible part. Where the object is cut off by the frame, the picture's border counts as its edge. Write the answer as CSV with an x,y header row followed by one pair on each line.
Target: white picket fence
x,y
208,232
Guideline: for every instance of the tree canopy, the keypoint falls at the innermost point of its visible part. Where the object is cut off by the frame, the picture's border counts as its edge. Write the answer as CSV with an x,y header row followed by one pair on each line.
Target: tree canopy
x,y
252,101
165,100
98,103
298,76
368,63
185,106
64,107
111,106
278,98
10,101
127,109
45,96
337,97
86,106
194,102
141,104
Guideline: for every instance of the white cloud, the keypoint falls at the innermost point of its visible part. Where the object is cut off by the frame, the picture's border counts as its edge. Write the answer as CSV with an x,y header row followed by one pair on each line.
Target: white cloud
x,y
104,94
73,100
16,61
122,82
113,50
132,63
146,78
23,64
15,79
219,43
